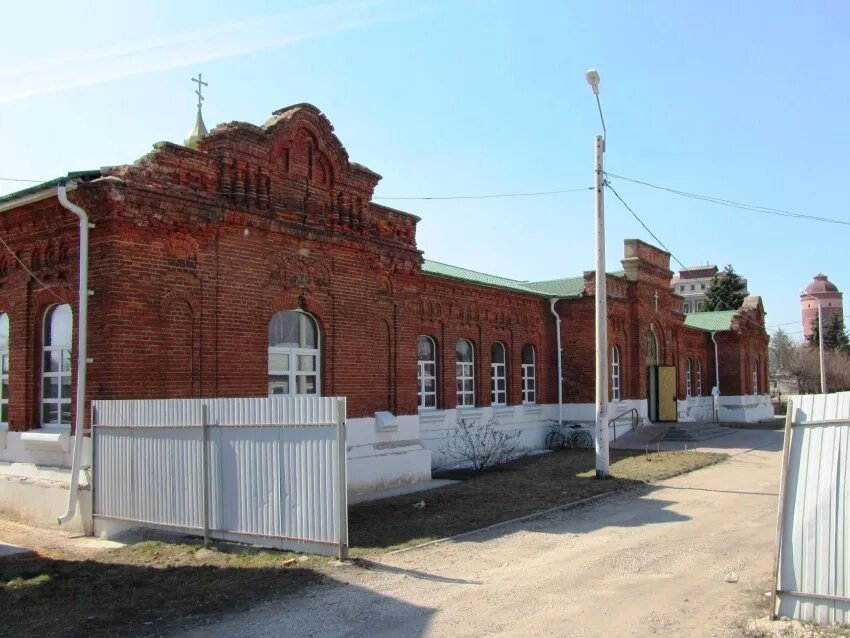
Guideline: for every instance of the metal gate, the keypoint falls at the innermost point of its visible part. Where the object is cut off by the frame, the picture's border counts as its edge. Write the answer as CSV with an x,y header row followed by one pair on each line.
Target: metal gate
x,y
273,473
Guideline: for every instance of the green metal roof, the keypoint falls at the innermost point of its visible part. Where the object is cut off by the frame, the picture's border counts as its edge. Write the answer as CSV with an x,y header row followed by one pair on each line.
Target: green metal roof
x,y
713,321
462,274
80,175
566,287
561,288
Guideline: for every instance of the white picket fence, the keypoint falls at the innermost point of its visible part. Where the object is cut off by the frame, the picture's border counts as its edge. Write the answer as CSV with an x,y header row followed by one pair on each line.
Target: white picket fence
x,y
812,562
274,471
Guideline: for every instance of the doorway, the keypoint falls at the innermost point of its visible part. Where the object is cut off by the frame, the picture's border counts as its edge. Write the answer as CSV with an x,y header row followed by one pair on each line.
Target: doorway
x,y
667,393
661,393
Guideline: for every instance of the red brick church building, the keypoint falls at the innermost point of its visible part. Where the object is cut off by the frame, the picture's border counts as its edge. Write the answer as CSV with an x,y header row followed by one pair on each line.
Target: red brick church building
x,y
257,263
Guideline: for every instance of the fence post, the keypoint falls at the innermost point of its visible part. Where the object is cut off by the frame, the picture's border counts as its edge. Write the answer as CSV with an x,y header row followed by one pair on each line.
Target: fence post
x,y
205,463
342,480
780,514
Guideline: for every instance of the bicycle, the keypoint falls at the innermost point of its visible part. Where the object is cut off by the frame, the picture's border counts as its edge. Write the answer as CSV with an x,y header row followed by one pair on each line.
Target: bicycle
x,y
568,437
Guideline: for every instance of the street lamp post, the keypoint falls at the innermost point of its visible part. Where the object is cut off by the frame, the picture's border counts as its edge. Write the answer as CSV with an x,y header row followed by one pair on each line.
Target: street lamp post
x,y
601,296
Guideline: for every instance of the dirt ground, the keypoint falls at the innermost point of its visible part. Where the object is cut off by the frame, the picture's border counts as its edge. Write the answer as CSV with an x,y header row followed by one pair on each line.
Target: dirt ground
x,y
53,541
650,563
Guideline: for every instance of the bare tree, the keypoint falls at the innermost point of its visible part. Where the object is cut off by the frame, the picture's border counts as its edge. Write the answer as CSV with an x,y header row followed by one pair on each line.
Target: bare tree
x,y
804,364
482,444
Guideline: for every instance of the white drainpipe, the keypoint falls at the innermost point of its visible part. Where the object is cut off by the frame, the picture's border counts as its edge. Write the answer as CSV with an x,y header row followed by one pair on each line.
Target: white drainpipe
x,y
82,345
552,303
716,397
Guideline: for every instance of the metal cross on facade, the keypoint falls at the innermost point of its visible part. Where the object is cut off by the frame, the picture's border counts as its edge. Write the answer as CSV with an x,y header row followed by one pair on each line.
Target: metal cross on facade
x,y
199,90
656,301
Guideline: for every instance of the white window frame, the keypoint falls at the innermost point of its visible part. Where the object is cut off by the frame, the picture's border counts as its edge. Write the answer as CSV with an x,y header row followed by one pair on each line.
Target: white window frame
x,y
615,373
292,373
755,377
4,372
698,363
529,377
426,371
686,307
59,400
498,372
465,377
687,378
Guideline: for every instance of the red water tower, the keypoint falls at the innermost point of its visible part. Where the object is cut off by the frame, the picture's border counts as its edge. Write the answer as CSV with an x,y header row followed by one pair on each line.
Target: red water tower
x,y
822,291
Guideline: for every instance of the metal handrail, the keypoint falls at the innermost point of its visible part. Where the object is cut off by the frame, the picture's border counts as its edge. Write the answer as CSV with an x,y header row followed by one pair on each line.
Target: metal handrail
x,y
635,419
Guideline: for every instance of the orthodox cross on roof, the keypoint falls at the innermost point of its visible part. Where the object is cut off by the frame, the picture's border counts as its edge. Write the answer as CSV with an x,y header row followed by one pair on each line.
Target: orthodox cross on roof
x,y
198,91
200,129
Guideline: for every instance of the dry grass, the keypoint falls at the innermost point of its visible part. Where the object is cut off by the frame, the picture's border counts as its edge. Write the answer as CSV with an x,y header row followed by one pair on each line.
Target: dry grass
x,y
526,486
156,587
148,588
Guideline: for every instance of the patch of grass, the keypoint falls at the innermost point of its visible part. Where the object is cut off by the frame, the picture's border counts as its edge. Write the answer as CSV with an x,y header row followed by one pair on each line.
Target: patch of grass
x,y
523,487
141,589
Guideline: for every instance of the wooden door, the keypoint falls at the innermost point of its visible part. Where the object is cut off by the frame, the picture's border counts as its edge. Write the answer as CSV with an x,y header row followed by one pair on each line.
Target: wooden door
x,y
666,393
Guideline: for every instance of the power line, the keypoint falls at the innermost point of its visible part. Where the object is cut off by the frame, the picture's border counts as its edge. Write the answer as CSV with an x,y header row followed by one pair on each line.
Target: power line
x,y
532,194
44,286
635,215
731,203
399,197
15,179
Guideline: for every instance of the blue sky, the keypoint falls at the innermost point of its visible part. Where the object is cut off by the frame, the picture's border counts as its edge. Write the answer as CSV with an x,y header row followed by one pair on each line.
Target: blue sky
x,y
745,101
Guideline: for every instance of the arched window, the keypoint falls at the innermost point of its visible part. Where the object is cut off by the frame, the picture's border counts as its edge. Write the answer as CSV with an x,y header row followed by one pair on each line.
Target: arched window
x,y
688,378
498,376
651,347
56,367
426,375
755,376
529,375
698,364
615,373
4,368
294,360
465,373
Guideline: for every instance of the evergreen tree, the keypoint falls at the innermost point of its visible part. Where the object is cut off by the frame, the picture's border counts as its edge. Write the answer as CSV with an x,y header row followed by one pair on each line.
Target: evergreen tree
x,y
726,291
814,338
834,334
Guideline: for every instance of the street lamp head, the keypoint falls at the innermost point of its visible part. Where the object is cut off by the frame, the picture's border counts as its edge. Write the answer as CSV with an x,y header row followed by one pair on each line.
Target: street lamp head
x,y
592,78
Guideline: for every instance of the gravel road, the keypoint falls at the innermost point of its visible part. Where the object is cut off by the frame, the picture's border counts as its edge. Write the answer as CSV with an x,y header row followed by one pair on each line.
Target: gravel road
x,y
648,563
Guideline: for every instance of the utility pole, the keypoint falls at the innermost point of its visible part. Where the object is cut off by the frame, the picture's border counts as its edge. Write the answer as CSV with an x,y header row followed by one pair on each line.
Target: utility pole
x,y
601,296
823,389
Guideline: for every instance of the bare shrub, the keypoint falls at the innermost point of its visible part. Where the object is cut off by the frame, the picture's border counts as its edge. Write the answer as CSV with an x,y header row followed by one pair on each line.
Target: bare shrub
x,y
804,365
481,443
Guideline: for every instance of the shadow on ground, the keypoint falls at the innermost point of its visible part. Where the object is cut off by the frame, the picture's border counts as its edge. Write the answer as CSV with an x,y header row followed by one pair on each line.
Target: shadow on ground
x,y
58,597
521,488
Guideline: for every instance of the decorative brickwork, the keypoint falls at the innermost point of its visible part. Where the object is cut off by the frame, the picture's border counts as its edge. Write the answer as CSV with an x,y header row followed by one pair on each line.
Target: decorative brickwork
x,y
193,251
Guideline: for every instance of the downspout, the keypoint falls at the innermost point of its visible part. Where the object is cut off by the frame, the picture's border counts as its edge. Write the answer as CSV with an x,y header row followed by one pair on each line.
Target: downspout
x,y
716,379
82,345
552,303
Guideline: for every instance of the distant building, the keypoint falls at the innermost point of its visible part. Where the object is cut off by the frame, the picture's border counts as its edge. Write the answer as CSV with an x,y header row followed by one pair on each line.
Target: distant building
x,y
822,291
692,284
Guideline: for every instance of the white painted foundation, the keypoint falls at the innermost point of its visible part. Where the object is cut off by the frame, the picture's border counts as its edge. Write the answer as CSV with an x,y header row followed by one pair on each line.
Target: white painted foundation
x,y
746,409
384,452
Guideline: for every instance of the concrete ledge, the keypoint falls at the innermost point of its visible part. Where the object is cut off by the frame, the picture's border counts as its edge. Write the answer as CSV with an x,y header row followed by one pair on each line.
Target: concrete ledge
x,y
39,498
46,440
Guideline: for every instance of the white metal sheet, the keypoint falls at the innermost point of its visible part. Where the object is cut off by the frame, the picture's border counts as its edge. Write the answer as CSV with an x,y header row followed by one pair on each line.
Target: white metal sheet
x,y
814,570
274,467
